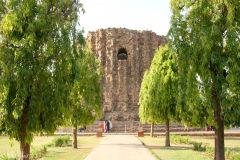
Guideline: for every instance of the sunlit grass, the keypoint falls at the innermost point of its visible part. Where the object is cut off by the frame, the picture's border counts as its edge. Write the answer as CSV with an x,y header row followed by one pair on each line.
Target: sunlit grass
x,y
184,151
12,147
85,145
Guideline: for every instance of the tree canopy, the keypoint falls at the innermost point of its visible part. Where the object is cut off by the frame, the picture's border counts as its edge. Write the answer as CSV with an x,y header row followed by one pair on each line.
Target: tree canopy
x,y
38,51
85,97
205,36
159,88
158,91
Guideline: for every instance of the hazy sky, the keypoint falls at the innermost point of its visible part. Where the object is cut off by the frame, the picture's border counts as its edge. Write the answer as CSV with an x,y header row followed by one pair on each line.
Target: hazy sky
x,y
133,14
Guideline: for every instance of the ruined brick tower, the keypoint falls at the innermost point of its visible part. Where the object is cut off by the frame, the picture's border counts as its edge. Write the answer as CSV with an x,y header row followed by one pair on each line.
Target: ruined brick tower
x,y
124,55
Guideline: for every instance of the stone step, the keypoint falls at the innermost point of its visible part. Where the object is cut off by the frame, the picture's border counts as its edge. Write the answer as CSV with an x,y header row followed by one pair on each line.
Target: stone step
x,y
132,127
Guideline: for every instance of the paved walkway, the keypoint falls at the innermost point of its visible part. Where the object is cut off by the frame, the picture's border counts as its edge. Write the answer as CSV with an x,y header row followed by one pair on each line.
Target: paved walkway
x,y
120,147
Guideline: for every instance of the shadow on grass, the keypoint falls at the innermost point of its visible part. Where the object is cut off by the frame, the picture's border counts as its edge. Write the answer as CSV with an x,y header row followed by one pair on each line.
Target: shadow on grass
x,y
168,148
85,147
59,152
58,149
158,158
212,137
51,154
172,148
232,138
233,149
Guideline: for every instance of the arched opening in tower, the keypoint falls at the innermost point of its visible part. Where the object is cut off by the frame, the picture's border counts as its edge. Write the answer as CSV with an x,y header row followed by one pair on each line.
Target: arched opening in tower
x,y
122,54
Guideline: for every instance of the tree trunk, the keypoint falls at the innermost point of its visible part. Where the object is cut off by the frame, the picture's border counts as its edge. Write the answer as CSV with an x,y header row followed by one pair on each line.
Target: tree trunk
x,y
219,129
152,130
24,146
25,150
219,134
167,140
219,120
75,136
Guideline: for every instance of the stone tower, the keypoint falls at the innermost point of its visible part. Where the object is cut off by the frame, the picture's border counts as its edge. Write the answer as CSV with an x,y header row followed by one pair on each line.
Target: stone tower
x,y
124,55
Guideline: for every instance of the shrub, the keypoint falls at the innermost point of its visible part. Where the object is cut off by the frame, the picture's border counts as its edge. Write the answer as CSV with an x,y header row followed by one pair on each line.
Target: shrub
x,y
209,151
179,140
198,146
61,141
39,153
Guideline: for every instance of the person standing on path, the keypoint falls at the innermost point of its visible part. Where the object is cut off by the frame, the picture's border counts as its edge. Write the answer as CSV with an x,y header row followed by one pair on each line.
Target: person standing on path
x,y
107,126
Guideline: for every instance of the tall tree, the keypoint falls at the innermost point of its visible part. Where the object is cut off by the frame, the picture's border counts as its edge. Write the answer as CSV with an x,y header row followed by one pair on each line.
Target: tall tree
x,y
158,93
205,36
145,113
85,97
36,62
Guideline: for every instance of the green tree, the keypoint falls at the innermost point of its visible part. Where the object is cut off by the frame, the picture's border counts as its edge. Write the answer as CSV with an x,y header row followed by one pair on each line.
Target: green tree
x,y
158,93
37,50
205,36
85,97
145,113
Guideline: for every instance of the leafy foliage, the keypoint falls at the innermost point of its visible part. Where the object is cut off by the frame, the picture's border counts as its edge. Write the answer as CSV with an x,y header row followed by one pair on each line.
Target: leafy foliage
x,y
85,96
198,146
159,88
39,46
180,139
61,141
205,36
39,153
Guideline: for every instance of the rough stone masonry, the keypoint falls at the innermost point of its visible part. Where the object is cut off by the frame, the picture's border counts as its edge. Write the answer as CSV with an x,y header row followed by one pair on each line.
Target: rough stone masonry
x,y
124,55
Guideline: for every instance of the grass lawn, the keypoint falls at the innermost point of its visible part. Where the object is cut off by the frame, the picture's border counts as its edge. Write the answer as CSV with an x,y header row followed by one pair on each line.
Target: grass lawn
x,y
12,148
230,142
85,145
184,151
175,152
